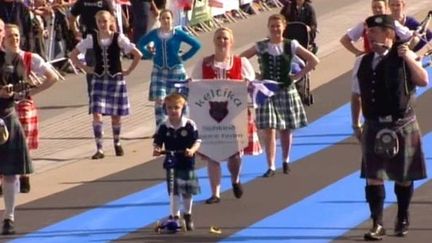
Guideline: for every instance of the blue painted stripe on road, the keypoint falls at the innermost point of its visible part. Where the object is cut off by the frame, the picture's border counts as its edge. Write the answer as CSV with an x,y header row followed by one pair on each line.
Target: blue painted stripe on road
x,y
323,216
130,213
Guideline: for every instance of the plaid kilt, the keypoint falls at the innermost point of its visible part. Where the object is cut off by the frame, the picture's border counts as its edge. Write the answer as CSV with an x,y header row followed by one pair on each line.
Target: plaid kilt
x,y
284,110
159,86
109,96
254,146
28,117
185,182
407,165
14,155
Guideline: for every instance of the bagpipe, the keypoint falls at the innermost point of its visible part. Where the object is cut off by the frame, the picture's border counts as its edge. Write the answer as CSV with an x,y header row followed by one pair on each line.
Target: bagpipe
x,y
21,86
421,33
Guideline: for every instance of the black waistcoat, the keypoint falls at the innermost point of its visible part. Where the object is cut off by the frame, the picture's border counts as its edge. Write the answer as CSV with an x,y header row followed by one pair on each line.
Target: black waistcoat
x,y
387,89
107,58
10,73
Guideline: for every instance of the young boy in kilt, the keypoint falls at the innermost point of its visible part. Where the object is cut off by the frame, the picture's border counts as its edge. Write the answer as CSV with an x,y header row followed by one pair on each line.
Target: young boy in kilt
x,y
178,136
108,93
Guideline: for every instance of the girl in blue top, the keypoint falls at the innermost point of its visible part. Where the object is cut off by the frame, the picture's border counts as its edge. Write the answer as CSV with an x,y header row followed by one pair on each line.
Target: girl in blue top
x,y
168,65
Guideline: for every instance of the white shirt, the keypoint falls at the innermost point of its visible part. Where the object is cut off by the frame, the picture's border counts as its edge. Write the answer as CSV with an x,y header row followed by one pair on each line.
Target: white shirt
x,y
38,64
278,49
123,42
247,70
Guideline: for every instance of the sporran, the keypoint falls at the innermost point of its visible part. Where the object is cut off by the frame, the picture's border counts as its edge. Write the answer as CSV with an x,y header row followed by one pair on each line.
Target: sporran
x,y
386,143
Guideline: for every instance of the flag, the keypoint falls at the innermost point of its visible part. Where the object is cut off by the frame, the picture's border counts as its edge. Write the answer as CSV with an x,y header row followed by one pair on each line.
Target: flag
x,y
261,90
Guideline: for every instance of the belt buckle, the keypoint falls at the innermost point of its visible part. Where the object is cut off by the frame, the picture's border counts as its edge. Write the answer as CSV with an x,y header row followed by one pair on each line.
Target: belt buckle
x,y
385,119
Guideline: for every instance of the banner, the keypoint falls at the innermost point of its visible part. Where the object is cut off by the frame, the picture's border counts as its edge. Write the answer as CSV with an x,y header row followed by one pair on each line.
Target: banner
x,y
226,5
200,12
219,108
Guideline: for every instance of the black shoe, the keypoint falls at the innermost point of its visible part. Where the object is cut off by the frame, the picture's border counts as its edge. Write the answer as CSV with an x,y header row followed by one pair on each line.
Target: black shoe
x,y
8,227
118,150
286,168
98,155
188,221
237,190
24,184
375,234
212,200
269,173
401,228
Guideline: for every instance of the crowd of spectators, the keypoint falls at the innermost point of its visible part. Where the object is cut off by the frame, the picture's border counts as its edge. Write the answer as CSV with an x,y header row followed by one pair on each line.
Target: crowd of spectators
x,y
46,26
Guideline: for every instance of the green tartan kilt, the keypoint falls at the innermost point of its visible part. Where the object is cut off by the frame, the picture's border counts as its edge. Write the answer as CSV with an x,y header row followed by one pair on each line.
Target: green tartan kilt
x,y
14,154
185,182
284,110
408,164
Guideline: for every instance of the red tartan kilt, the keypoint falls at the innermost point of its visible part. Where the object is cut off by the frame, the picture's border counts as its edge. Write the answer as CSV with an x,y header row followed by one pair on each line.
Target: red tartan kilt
x,y
254,146
28,118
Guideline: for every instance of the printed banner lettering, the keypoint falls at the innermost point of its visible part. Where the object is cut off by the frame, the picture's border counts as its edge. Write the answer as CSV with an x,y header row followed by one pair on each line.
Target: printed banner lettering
x,y
219,108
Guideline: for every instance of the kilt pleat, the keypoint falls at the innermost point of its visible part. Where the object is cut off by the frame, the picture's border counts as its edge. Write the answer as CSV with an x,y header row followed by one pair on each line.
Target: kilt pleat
x,y
14,155
284,110
254,146
28,117
109,96
160,81
185,182
408,164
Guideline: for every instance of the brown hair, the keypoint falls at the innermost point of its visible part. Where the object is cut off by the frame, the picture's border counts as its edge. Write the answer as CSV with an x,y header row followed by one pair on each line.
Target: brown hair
x,y
279,17
166,11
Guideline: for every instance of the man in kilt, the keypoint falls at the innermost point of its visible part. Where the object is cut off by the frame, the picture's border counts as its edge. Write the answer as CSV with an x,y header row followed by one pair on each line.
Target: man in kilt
x,y
24,104
178,136
14,154
383,91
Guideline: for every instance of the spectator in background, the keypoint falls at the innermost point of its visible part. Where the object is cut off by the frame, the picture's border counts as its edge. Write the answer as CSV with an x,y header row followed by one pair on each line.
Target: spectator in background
x,y
302,11
141,10
359,31
16,12
398,11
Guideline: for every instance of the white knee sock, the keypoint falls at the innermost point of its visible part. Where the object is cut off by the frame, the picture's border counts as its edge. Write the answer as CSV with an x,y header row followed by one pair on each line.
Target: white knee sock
x,y
10,189
187,203
175,205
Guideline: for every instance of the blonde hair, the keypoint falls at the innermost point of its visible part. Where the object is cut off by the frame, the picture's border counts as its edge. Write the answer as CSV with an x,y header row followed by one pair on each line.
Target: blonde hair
x,y
101,13
277,17
175,98
11,26
226,29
